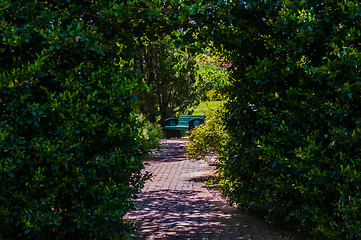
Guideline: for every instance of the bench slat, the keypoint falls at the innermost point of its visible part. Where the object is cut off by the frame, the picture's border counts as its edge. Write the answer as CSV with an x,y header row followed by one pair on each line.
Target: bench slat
x,y
183,122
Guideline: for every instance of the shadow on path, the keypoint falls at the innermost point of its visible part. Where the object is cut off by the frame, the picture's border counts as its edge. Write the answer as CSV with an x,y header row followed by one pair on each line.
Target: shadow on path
x,y
170,152
176,205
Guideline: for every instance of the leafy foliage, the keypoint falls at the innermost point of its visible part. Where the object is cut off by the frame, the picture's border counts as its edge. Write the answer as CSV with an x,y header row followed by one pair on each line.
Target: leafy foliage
x,y
294,114
208,137
70,149
214,73
70,144
171,77
151,133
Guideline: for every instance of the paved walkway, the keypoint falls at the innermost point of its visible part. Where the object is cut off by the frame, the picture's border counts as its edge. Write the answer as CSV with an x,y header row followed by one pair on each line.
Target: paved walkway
x,y
176,204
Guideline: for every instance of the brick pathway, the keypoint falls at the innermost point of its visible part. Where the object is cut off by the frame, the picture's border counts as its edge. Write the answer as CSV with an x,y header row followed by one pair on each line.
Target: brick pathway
x,y
176,204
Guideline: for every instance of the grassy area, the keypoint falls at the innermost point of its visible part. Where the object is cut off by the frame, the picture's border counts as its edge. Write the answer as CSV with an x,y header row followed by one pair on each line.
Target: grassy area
x,y
205,107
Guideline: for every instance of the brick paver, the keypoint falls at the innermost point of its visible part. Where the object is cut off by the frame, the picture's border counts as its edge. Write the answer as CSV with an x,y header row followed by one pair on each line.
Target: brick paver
x,y
176,204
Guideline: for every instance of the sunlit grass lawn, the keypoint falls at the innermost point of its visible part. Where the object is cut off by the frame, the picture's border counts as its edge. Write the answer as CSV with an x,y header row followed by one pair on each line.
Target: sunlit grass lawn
x,y
207,106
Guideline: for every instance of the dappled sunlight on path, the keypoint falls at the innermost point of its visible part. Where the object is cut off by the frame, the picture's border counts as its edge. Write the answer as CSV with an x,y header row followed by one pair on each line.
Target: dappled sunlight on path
x,y
176,205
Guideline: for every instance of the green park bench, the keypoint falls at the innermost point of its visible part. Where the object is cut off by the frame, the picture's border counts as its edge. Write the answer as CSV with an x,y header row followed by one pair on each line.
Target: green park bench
x,y
173,126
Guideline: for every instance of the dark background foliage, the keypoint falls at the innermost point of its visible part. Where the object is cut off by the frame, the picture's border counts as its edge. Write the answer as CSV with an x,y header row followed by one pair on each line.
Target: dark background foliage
x,y
173,84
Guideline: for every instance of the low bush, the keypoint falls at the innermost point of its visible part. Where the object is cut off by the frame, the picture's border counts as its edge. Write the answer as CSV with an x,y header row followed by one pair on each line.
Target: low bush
x,y
208,137
214,95
151,133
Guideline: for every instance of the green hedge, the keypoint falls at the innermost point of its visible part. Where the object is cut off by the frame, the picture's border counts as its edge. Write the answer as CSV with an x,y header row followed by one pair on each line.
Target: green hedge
x,y
210,136
294,117
70,152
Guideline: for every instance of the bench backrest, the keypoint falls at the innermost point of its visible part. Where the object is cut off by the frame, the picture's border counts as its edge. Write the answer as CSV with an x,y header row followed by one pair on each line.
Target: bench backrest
x,y
184,119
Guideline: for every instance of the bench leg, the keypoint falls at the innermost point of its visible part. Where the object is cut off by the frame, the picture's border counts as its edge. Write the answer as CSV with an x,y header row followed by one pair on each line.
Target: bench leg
x,y
169,133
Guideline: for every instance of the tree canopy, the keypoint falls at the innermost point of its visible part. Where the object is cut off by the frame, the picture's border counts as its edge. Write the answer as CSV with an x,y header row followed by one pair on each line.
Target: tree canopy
x,y
172,81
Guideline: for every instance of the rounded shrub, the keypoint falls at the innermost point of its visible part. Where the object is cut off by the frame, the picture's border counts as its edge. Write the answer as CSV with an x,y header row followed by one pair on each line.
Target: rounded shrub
x,y
151,133
208,137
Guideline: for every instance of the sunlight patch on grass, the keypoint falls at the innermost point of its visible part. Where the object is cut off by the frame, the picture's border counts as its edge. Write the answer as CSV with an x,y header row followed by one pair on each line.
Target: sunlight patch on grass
x,y
205,107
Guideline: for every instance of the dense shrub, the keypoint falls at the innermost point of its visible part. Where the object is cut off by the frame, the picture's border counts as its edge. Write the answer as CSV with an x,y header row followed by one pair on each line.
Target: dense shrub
x,y
151,133
208,137
294,117
214,74
70,151
214,95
